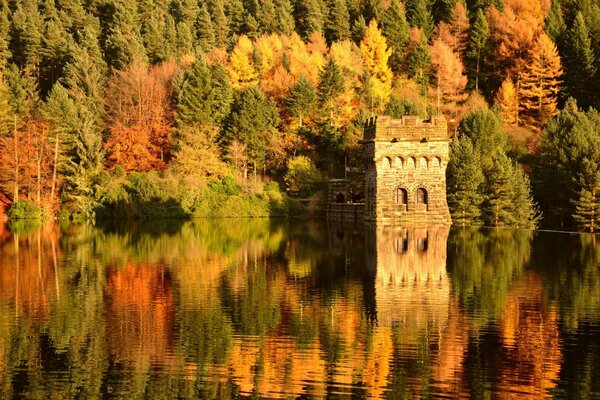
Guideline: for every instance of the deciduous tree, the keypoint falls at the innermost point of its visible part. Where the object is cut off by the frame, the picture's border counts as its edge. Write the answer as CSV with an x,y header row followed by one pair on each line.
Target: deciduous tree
x,y
375,54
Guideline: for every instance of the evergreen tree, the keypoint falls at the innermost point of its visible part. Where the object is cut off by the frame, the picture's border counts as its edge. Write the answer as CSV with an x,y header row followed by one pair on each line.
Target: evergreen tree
x,y
508,195
555,25
124,44
22,92
267,17
418,13
309,17
185,39
204,29
375,54
251,27
205,95
154,39
6,111
331,85
484,128
284,16
465,179
302,99
396,30
419,64
4,34
235,12
359,28
441,10
253,121
580,64
587,207
219,21
478,46
337,26
26,35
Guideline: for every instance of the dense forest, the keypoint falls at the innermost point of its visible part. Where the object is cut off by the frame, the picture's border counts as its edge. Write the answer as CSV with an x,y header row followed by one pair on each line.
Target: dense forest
x,y
228,107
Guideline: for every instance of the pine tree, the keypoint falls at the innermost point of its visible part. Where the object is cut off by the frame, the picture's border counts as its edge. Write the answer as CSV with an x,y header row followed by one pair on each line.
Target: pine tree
x,y
375,54
252,122
478,46
419,64
555,25
242,71
359,28
26,37
580,64
185,39
337,26
465,179
235,12
396,30
508,195
124,44
6,111
219,21
267,17
154,39
22,92
302,99
442,10
205,95
309,17
331,85
419,15
540,82
507,101
4,34
587,207
204,29
285,17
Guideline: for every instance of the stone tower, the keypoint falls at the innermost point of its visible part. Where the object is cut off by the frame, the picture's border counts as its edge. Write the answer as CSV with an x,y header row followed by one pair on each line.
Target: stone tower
x,y
405,170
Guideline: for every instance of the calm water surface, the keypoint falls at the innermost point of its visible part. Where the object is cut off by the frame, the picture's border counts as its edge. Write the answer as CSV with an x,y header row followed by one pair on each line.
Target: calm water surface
x,y
274,309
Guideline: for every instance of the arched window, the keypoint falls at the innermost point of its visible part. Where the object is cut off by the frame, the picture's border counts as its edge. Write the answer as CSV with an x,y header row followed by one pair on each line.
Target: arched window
x,y
340,198
421,196
423,163
399,163
387,163
401,196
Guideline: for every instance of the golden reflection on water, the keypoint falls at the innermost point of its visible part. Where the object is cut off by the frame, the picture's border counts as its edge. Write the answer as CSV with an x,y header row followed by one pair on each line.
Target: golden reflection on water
x,y
220,309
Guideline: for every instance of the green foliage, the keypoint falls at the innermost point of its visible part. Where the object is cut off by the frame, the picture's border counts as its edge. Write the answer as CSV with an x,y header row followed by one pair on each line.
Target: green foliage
x,y
419,64
587,207
302,100
302,178
477,49
309,17
567,164
418,13
22,209
580,64
395,28
397,108
252,121
331,84
464,180
337,25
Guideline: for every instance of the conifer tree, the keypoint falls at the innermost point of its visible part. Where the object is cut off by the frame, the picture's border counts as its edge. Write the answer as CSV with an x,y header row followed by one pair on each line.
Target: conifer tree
x,y
555,25
284,16
242,71
6,112
507,101
267,17
219,21
205,32
4,34
235,12
154,39
396,30
124,44
359,28
252,121
540,82
375,54
419,64
587,207
580,63
331,85
441,10
309,17
478,46
465,179
27,34
419,15
302,99
337,26
22,92
185,39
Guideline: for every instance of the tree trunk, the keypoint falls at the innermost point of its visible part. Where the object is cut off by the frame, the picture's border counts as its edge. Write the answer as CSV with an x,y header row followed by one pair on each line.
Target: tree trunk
x,y
54,170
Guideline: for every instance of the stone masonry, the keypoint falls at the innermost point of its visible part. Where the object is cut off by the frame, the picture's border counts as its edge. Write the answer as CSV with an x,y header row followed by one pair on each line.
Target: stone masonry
x,y
405,164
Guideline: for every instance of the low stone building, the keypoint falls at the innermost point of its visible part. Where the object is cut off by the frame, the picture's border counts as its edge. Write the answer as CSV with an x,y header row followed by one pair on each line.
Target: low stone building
x,y
405,164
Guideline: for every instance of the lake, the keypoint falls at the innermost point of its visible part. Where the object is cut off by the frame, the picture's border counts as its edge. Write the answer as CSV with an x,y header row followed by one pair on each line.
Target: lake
x,y
297,309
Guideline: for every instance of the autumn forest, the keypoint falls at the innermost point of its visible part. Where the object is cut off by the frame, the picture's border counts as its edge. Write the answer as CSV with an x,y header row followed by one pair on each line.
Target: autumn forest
x,y
177,108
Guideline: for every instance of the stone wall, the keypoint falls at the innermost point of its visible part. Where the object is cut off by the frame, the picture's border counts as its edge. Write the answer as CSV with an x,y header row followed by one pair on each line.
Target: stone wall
x,y
400,158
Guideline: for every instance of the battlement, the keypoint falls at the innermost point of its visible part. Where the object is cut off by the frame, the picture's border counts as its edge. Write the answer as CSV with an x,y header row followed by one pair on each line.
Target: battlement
x,y
408,128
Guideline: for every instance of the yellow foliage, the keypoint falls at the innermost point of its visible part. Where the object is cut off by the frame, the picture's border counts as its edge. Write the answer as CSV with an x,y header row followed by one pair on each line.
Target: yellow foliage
x,y
241,68
508,102
375,54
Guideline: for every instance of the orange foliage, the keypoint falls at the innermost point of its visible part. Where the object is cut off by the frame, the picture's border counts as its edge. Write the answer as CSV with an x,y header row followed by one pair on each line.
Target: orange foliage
x,y
141,313
140,116
531,344
26,161
449,78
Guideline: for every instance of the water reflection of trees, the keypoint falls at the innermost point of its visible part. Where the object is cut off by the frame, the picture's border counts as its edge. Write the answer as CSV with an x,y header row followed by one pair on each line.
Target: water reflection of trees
x,y
258,308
